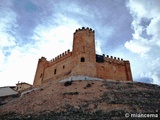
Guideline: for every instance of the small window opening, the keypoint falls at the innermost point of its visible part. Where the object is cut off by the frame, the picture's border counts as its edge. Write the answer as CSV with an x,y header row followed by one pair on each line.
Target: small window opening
x,y
55,70
63,66
82,59
41,75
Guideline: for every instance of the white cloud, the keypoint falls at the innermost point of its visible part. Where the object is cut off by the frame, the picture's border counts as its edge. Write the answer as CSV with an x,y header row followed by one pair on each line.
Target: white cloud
x,y
156,79
136,46
146,38
7,40
141,8
7,31
7,26
1,59
19,66
54,40
17,63
155,22
98,47
74,8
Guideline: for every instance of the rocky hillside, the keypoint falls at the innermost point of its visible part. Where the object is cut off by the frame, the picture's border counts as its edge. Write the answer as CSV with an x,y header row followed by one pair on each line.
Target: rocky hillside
x,y
86,100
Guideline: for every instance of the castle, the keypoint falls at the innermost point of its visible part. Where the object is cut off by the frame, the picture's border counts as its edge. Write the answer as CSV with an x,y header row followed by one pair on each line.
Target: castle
x,y
82,61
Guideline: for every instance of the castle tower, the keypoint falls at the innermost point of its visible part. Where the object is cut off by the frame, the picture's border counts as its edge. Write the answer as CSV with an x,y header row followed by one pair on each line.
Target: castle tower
x,y
40,71
84,52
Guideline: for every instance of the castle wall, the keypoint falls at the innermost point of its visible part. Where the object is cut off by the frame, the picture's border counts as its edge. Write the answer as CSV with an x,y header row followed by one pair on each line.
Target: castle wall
x,y
113,68
83,68
57,69
128,70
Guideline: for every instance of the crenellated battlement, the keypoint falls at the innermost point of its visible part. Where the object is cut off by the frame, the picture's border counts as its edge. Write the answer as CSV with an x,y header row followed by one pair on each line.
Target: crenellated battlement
x,y
60,57
87,29
112,59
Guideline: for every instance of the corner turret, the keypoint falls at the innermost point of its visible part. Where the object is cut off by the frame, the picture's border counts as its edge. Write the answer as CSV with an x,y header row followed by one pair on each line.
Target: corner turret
x,y
40,71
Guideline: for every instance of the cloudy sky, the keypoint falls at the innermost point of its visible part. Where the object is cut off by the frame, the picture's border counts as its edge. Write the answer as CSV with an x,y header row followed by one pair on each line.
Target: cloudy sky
x,y
29,29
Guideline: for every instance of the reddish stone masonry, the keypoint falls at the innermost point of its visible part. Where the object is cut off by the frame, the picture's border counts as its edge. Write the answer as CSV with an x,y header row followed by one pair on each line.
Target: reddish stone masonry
x,y
82,61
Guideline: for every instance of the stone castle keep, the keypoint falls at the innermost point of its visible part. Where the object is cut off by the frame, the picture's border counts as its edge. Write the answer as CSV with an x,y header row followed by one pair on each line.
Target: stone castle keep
x,y
82,61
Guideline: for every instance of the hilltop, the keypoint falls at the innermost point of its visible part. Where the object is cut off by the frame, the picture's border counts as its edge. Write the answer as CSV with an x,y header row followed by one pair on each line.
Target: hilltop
x,y
90,99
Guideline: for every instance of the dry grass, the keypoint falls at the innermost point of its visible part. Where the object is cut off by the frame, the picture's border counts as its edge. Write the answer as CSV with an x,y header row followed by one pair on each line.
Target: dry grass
x,y
89,96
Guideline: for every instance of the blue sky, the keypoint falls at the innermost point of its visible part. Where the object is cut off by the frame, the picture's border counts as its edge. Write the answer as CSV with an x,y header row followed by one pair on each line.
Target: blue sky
x,y
29,29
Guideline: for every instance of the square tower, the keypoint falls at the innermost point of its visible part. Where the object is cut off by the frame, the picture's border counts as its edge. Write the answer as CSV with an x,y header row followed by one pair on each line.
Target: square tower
x,y
83,53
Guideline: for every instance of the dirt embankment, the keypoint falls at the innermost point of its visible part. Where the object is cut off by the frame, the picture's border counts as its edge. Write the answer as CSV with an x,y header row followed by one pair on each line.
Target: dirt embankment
x,y
84,100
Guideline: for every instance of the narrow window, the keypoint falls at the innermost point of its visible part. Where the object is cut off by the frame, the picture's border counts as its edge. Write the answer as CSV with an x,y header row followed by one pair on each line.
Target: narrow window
x,y
63,66
41,75
83,49
82,59
55,70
